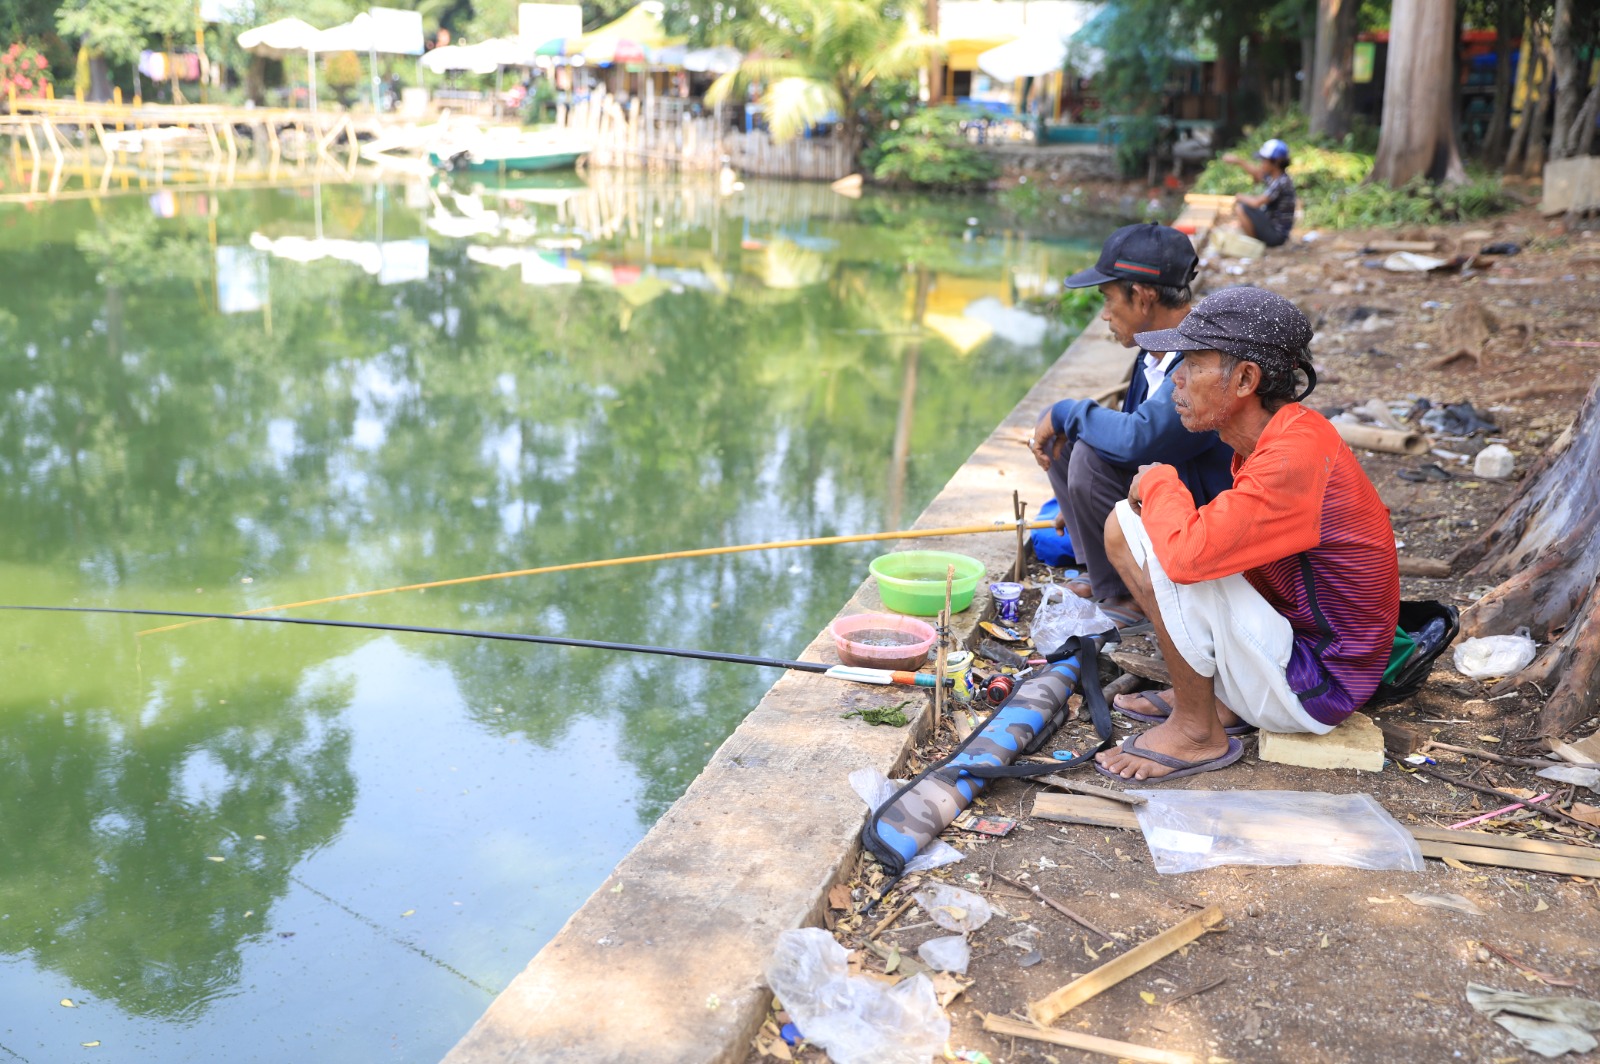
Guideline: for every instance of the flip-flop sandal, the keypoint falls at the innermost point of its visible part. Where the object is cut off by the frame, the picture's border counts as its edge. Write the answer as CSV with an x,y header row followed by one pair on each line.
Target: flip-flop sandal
x,y
1179,766
1079,582
1127,622
1155,698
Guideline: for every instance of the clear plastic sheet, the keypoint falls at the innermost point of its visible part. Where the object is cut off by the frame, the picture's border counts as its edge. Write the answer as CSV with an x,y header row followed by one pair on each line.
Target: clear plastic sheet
x,y
1191,830
856,1019
949,953
1062,615
953,908
874,788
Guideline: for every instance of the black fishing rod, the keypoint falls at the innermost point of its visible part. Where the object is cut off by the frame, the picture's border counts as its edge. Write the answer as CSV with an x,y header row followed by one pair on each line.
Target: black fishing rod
x,y
838,672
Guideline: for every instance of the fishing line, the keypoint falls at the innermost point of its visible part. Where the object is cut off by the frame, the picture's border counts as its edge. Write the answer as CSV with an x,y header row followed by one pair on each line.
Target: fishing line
x,y
700,552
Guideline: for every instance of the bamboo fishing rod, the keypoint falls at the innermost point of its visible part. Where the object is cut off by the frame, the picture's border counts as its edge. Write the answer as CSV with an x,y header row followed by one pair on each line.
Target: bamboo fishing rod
x,y
838,672
700,552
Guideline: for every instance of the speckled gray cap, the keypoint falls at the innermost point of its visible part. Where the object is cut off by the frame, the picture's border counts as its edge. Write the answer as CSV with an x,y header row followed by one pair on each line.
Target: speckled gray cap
x,y
1249,323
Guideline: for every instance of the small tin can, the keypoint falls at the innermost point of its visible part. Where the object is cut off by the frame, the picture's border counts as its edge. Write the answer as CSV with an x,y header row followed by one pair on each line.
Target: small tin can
x,y
1007,597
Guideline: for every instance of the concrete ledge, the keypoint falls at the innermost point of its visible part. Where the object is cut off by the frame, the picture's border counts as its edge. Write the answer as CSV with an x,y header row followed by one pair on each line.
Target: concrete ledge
x,y
662,965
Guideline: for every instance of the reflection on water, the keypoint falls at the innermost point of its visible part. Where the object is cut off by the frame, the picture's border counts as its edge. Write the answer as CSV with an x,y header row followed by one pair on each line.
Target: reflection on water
x,y
253,842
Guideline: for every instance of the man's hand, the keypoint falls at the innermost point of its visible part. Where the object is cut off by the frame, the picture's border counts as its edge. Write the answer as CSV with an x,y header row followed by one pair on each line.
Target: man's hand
x,y
1046,443
1136,489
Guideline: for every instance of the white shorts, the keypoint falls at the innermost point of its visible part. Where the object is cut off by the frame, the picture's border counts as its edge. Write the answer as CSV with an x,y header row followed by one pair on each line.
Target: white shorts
x,y
1225,629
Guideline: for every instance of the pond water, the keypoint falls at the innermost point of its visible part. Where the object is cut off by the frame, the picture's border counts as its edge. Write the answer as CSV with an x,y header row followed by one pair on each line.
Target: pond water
x,y
274,842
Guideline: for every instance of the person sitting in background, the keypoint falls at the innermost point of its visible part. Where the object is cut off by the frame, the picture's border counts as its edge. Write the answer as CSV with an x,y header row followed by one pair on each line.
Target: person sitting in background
x,y
1274,604
1091,452
1270,215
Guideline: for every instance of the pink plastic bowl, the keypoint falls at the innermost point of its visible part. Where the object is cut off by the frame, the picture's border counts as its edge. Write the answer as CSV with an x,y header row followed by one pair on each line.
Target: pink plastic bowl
x,y
857,636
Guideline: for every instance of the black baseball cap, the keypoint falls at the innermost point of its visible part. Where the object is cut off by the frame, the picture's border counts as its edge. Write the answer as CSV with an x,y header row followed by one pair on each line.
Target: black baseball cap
x,y
1249,323
1148,253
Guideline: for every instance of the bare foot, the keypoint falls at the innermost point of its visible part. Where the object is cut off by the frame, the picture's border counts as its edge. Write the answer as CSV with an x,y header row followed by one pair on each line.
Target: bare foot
x,y
1166,739
1080,587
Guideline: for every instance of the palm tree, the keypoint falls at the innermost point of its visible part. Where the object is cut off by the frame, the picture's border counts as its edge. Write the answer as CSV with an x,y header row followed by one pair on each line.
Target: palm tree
x,y
813,58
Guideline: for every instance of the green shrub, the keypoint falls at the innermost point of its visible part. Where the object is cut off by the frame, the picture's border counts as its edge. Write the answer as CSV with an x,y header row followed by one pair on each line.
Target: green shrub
x,y
928,150
1331,183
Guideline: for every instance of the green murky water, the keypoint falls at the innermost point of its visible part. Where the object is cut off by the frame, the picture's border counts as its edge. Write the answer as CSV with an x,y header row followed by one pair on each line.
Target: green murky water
x,y
264,842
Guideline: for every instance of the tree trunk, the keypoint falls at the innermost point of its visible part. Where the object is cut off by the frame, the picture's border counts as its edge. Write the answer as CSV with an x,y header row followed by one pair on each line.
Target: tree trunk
x,y
1530,75
1569,82
255,80
1418,138
1228,39
1538,145
1336,43
1308,69
935,62
1546,549
1586,121
1499,132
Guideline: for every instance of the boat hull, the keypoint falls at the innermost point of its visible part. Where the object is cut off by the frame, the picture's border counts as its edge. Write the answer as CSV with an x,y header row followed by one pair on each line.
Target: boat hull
x,y
516,163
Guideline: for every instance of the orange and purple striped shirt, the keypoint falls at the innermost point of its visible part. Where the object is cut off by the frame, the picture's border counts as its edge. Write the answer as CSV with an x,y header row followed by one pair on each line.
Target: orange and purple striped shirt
x,y
1306,527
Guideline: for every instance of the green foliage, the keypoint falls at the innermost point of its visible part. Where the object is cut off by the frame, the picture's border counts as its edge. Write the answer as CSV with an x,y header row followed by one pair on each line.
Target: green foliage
x,y
816,58
1331,183
929,150
892,716
342,73
1024,199
118,29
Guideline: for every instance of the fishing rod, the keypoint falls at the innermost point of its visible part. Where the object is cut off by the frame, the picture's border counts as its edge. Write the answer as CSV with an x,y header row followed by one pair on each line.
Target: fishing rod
x,y
699,552
852,673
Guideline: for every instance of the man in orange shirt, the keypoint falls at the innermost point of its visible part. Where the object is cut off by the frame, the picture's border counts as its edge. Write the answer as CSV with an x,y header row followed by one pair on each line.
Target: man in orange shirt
x,y
1275,603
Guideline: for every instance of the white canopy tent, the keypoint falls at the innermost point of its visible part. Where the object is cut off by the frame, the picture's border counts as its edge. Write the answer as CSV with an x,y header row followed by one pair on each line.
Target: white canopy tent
x,y
1026,57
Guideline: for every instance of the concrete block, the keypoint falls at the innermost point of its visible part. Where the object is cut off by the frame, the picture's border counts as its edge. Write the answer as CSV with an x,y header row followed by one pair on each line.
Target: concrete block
x,y
1357,743
1571,185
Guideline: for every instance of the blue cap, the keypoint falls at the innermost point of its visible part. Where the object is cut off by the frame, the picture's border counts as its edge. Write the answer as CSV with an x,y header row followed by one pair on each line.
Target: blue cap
x,y
1276,150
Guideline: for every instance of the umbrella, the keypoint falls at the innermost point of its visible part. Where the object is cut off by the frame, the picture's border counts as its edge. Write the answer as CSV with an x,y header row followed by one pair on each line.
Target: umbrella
x,y
1028,57
277,39
460,57
628,38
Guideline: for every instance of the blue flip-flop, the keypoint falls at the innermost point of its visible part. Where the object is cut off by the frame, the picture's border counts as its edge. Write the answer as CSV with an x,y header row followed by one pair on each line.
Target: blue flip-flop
x,y
1179,766
1127,622
1155,698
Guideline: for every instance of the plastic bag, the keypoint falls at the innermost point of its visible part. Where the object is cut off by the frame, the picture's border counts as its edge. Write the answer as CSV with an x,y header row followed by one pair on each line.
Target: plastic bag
x,y
856,1019
874,788
1062,615
953,908
1494,655
948,954
1190,830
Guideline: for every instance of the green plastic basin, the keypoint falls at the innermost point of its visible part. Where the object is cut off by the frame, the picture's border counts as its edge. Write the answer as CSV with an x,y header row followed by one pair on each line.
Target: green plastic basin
x,y
912,581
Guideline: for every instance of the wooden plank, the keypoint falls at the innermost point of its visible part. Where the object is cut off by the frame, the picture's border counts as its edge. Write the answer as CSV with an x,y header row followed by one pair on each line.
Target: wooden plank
x,y
1498,858
1491,841
1091,790
1052,1007
1399,740
1080,809
1146,665
1089,1043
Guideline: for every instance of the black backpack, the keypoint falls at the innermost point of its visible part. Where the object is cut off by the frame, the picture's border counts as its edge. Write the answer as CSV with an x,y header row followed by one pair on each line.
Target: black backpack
x,y
1414,616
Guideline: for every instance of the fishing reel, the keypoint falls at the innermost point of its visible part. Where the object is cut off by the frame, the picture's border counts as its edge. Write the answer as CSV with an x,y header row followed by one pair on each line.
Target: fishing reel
x,y
998,688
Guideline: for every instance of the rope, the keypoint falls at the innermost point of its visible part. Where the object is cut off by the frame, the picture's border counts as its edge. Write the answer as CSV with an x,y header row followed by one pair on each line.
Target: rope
x,y
701,552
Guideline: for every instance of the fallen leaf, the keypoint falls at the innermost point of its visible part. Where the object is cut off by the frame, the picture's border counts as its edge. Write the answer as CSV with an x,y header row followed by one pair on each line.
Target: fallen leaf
x,y
618,888
1489,738
408,912
68,1003
1274,952
713,1002
839,896
1457,865
1541,907
1324,943
1453,902
219,860
1149,998
1587,813
90,1045
1383,901
1092,954
892,961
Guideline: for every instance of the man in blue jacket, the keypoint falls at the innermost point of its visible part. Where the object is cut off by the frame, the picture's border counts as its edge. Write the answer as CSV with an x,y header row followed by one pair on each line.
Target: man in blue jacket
x,y
1091,452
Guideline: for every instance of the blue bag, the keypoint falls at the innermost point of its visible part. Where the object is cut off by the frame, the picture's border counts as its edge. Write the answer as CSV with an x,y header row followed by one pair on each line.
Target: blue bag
x,y
1052,548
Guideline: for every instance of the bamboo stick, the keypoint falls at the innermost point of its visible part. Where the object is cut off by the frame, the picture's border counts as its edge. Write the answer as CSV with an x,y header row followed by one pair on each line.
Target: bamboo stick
x,y
1089,1043
1049,1009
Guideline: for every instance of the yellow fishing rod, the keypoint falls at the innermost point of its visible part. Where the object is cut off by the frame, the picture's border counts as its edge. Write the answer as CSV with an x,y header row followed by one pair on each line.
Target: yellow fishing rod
x,y
700,552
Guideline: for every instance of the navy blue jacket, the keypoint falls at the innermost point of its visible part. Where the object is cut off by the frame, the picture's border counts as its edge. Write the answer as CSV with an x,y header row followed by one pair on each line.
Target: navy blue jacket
x,y
1147,430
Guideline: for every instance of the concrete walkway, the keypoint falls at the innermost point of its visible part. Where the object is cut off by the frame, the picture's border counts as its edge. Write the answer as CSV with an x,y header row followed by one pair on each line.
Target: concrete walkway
x,y
662,965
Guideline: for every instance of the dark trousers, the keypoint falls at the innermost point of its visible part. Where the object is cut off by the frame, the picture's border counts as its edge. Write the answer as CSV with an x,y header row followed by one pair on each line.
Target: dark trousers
x,y
1086,487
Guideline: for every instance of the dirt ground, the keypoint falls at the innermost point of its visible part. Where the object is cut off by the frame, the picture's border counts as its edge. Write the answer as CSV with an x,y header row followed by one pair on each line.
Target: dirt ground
x,y
1320,964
